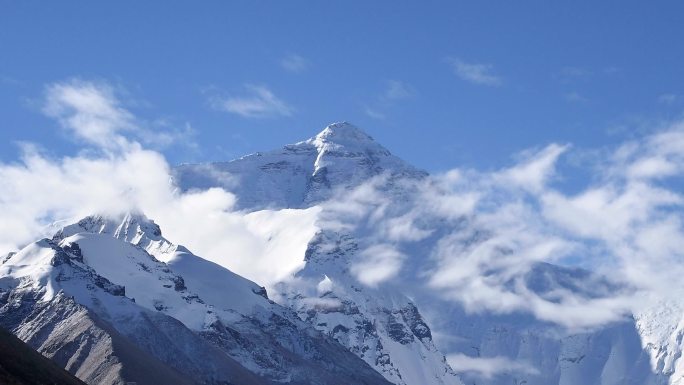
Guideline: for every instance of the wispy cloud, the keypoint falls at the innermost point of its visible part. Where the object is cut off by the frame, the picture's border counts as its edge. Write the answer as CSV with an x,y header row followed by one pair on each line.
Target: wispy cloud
x,y
397,90
394,92
10,81
575,72
668,98
572,73
295,63
477,73
259,102
535,170
91,112
575,97
488,367
371,112
377,264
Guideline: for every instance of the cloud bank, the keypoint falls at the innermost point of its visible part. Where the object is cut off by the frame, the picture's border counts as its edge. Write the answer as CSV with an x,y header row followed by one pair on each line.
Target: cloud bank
x,y
478,238
488,367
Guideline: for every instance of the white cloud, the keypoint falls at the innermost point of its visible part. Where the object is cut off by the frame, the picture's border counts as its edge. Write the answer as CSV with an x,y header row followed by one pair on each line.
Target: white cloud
x,y
627,225
294,63
634,212
534,171
488,367
476,73
163,137
325,285
483,266
377,264
260,102
653,167
90,111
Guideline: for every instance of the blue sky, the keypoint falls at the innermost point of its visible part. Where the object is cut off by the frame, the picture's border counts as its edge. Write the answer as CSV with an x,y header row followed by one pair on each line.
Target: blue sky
x,y
440,83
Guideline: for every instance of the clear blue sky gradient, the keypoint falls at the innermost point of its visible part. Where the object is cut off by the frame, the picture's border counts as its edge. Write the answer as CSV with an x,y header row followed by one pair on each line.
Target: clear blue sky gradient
x,y
584,72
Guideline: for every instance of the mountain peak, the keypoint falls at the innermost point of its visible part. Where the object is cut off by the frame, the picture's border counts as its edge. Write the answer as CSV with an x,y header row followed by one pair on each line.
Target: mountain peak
x,y
302,174
133,227
346,137
343,131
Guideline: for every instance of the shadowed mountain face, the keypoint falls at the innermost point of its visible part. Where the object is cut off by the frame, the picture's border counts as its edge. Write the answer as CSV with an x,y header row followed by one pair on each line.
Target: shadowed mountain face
x,y
21,365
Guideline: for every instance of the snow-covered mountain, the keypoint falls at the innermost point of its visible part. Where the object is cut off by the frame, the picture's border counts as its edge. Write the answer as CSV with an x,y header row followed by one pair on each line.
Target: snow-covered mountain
x,y
385,324
301,174
110,299
382,327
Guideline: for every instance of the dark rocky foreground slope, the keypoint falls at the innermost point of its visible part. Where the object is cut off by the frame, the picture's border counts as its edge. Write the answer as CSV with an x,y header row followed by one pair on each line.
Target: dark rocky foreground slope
x,y
21,365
